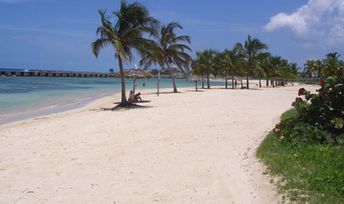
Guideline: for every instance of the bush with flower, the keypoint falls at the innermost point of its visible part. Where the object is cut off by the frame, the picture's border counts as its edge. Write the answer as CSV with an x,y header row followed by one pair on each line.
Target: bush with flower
x,y
318,117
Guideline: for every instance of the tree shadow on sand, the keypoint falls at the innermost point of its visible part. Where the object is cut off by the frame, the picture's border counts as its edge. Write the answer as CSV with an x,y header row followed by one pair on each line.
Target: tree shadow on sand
x,y
199,90
127,106
136,102
164,93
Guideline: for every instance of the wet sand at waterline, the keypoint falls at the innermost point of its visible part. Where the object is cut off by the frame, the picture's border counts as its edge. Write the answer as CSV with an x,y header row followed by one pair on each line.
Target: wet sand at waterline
x,y
182,148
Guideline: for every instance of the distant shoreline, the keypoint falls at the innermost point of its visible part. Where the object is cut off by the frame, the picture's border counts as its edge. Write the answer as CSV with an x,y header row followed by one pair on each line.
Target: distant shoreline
x,y
49,110
63,106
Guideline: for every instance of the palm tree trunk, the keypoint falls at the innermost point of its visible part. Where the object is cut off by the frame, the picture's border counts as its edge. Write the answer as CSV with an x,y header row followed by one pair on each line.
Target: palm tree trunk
x,y
247,82
202,80
121,71
267,81
173,80
158,85
242,85
226,79
196,86
260,82
272,82
208,81
174,84
232,82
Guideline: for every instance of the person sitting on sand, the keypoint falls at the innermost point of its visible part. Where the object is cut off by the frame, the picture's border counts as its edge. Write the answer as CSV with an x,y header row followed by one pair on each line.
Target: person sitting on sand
x,y
137,97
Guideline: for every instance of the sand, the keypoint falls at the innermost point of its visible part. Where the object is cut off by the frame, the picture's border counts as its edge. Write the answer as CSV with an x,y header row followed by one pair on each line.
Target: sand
x,y
182,148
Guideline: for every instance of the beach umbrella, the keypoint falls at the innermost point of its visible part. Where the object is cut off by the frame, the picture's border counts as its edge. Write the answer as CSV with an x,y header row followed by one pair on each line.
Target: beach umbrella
x,y
195,79
136,74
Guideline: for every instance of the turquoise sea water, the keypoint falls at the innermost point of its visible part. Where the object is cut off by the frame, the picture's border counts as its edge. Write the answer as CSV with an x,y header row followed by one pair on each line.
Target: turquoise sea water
x,y
24,97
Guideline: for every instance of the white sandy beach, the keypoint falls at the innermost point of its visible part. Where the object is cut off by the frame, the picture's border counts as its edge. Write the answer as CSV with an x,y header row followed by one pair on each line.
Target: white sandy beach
x,y
183,148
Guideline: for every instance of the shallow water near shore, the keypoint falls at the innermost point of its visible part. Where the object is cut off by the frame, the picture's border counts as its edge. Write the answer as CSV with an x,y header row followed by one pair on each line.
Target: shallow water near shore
x,y
26,97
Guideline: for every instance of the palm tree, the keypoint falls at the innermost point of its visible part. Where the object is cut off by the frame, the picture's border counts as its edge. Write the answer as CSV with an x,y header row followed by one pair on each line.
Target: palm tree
x,y
313,68
125,34
229,62
222,65
310,68
199,67
281,71
292,71
168,50
277,64
270,66
266,66
207,59
251,49
319,66
197,70
332,63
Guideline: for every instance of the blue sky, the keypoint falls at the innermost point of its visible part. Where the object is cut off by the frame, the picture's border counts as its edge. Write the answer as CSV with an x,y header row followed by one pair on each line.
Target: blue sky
x,y
56,34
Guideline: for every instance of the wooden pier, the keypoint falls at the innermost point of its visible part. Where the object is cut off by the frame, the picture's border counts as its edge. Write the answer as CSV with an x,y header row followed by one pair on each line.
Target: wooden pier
x,y
52,73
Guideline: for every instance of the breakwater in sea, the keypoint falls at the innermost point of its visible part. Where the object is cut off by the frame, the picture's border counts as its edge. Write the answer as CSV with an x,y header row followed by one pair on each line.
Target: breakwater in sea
x,y
54,73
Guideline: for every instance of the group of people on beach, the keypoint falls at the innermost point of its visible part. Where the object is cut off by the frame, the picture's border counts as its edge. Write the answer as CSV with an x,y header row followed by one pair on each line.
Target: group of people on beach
x,y
134,97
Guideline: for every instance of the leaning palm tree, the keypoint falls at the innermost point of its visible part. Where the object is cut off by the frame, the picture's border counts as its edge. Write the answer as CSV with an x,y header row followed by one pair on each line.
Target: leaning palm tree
x,y
125,34
251,49
169,50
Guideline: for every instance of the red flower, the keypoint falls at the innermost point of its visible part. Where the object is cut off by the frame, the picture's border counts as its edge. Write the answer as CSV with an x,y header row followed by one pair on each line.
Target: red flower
x,y
322,83
302,91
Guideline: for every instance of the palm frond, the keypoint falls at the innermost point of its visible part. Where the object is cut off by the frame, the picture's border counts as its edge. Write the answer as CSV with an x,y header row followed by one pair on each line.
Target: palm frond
x,y
99,44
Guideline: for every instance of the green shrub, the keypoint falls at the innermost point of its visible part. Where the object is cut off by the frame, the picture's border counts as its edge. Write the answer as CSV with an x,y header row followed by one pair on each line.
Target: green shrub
x,y
293,131
305,149
324,110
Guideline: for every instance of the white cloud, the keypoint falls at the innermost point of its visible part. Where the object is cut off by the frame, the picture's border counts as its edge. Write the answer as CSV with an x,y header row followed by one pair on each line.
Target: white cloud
x,y
317,20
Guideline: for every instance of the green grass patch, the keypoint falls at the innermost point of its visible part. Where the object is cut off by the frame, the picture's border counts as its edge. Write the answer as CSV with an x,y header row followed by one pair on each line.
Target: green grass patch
x,y
308,172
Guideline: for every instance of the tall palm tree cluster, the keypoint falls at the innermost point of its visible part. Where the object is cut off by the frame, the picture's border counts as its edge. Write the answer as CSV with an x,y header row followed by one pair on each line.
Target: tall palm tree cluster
x,y
331,65
249,59
130,29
